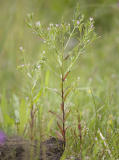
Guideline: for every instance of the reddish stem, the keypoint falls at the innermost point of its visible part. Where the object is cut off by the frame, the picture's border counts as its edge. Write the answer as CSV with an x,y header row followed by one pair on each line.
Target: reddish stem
x,y
63,111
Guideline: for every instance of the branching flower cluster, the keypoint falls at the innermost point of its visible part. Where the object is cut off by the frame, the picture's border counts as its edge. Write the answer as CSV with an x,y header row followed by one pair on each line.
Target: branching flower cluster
x,y
64,43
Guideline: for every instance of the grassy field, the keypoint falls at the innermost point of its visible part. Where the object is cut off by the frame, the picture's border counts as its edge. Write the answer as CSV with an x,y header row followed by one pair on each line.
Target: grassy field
x,y
93,106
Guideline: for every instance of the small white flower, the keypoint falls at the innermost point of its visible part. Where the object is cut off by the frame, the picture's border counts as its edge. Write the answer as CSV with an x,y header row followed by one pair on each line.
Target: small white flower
x,y
48,28
21,48
44,41
51,24
38,24
43,52
91,19
96,139
68,24
92,26
38,66
78,22
57,25
22,65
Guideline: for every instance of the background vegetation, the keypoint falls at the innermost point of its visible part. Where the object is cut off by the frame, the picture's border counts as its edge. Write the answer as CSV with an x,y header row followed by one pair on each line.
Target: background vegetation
x,y
97,100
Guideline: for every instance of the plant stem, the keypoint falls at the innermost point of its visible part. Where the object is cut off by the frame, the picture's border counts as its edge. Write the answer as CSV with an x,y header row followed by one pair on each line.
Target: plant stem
x,y
32,121
63,111
80,136
63,105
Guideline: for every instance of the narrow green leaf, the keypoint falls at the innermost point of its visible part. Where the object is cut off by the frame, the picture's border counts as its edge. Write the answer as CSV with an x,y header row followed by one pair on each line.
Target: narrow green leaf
x,y
67,93
23,115
56,115
36,98
47,78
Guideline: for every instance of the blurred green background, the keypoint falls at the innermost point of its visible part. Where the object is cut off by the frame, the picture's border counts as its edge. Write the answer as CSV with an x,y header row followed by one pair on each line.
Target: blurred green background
x,y
101,61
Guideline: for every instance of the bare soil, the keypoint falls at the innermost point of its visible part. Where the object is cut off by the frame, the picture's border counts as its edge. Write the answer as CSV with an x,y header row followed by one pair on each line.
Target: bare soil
x,y
16,148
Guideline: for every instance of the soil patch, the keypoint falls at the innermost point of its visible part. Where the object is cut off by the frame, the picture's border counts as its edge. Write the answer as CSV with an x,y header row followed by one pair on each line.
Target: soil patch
x,y
16,148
